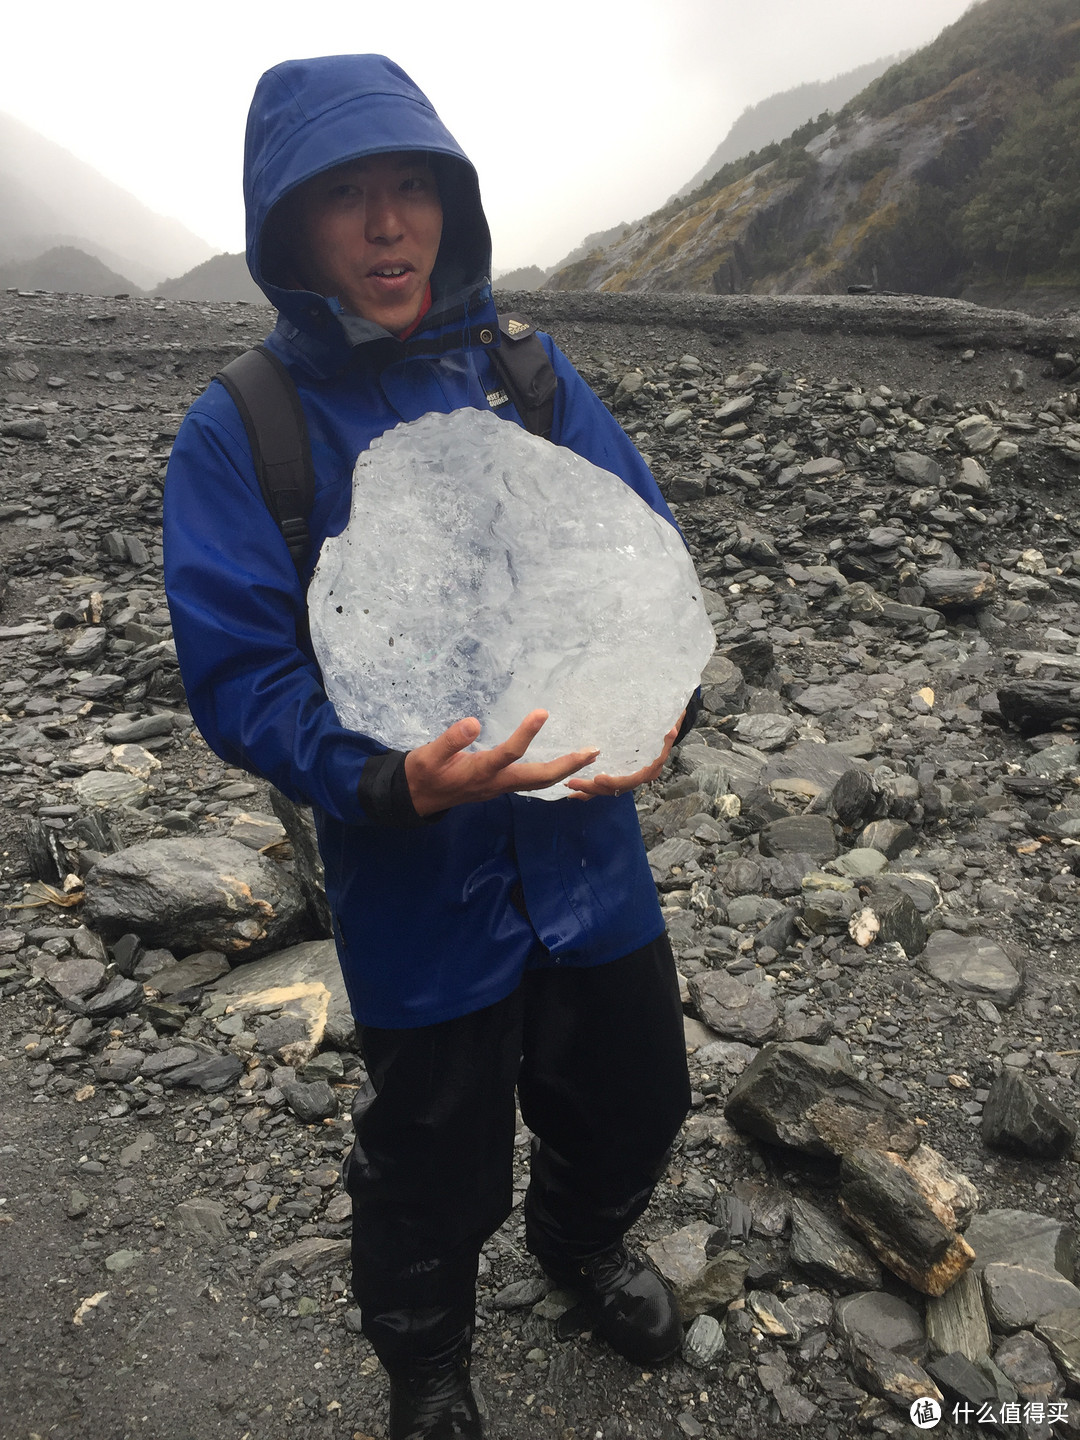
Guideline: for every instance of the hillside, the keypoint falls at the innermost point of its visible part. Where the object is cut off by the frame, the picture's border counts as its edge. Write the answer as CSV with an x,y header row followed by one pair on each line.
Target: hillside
x,y
957,168
67,270
775,117
222,277
49,198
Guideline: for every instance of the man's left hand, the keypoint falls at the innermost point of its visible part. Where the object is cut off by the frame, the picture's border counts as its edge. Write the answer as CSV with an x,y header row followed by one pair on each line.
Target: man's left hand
x,y
615,785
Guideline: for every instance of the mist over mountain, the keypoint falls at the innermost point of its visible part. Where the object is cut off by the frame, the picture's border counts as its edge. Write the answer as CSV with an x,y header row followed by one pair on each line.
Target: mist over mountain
x,y
222,277
956,172
50,199
65,269
775,117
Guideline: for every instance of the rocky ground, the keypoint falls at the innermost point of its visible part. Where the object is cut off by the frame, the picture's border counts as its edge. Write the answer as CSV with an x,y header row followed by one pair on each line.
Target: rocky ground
x,y
866,851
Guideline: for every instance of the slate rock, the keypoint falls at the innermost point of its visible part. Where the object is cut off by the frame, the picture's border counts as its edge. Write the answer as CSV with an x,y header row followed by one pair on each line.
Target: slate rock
x,y
890,837
766,732
1029,1364
827,1253
956,1322
819,766
916,469
305,985
307,1258
310,1103
119,1066
876,1319
72,979
946,589
900,921
723,689
808,1098
107,789
171,1059
701,1282
119,997
734,1010
299,825
961,1379
892,1376
799,835
972,965
1018,1118
855,796
1061,1333
1021,1237
902,1220
194,895
704,1342
1019,1296
520,1294
201,1218
211,1073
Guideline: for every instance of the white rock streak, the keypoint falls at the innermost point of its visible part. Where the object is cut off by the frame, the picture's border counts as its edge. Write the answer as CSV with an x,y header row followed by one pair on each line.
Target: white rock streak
x,y
487,572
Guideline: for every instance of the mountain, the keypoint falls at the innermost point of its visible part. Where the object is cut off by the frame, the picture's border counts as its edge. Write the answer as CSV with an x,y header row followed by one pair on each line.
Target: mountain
x,y
222,277
957,168
50,199
778,115
525,277
65,269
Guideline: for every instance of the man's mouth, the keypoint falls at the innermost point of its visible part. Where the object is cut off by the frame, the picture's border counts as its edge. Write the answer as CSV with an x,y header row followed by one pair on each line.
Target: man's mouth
x,y
390,272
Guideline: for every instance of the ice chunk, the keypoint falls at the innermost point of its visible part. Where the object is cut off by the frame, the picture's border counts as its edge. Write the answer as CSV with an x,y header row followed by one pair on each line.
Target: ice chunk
x,y
487,572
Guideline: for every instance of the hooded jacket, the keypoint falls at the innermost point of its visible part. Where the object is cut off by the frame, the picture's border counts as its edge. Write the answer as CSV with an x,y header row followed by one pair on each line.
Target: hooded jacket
x,y
432,919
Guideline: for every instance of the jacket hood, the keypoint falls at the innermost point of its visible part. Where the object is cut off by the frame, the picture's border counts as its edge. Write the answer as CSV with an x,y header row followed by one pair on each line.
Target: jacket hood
x,y
308,116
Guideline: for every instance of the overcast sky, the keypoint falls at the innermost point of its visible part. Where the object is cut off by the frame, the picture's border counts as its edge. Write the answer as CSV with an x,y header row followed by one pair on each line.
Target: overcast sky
x,y
577,113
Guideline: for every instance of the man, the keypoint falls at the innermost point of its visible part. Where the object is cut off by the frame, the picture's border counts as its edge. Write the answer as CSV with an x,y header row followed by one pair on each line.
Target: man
x,y
487,940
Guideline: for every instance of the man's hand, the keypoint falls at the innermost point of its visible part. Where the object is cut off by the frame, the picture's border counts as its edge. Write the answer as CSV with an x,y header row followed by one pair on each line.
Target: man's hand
x,y
613,785
444,773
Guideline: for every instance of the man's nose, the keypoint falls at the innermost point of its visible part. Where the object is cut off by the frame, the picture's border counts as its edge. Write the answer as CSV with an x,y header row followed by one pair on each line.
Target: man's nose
x,y
382,220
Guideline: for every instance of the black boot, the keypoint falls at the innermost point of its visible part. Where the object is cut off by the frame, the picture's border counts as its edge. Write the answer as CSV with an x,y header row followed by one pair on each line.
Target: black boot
x,y
433,1400
627,1302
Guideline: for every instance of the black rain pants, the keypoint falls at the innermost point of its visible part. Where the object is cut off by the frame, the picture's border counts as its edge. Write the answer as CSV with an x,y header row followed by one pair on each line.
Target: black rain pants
x,y
599,1062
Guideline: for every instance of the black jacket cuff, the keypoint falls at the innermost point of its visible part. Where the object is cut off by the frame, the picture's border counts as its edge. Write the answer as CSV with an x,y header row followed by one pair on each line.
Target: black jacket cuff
x,y
383,792
693,710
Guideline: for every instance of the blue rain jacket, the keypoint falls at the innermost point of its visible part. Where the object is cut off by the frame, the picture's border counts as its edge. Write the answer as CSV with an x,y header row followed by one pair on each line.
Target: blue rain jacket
x,y
433,920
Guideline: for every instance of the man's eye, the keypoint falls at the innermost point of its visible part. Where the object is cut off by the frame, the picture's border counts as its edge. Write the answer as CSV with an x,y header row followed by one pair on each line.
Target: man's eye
x,y
415,183
344,192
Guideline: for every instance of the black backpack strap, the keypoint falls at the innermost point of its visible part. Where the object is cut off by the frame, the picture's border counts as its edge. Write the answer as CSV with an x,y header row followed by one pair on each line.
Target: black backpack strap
x,y
527,374
266,397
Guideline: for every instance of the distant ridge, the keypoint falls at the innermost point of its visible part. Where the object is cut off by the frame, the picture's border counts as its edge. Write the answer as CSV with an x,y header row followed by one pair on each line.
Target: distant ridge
x,y
222,277
50,199
775,117
66,269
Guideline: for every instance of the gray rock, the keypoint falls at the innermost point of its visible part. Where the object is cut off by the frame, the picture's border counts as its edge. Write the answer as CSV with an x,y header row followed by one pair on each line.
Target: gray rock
x,y
818,766
1019,1296
917,469
171,1059
892,1376
958,589
1061,1332
766,732
196,970
956,1322
310,1103
1018,1118
890,837
197,894
827,1253
704,1342
307,1258
799,835
876,1319
972,965
1020,1237
213,1072
201,1218
72,979
308,986
855,796
125,731
733,1009
773,1318
107,789
299,825
119,997
520,1294
960,1377
723,689
701,1283
900,921
808,1098
120,1066
1028,1363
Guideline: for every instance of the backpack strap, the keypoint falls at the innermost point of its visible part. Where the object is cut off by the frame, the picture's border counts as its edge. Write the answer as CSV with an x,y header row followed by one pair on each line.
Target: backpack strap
x,y
264,393
526,372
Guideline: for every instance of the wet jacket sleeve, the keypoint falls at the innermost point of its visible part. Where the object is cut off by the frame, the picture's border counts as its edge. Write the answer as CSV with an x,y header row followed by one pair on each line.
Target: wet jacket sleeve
x,y
239,623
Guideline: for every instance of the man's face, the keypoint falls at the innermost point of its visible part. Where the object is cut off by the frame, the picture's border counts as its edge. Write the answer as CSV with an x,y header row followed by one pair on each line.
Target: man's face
x,y
369,234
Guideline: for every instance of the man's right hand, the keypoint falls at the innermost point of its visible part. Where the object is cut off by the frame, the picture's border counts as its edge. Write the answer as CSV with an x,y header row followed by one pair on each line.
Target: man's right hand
x,y
444,772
